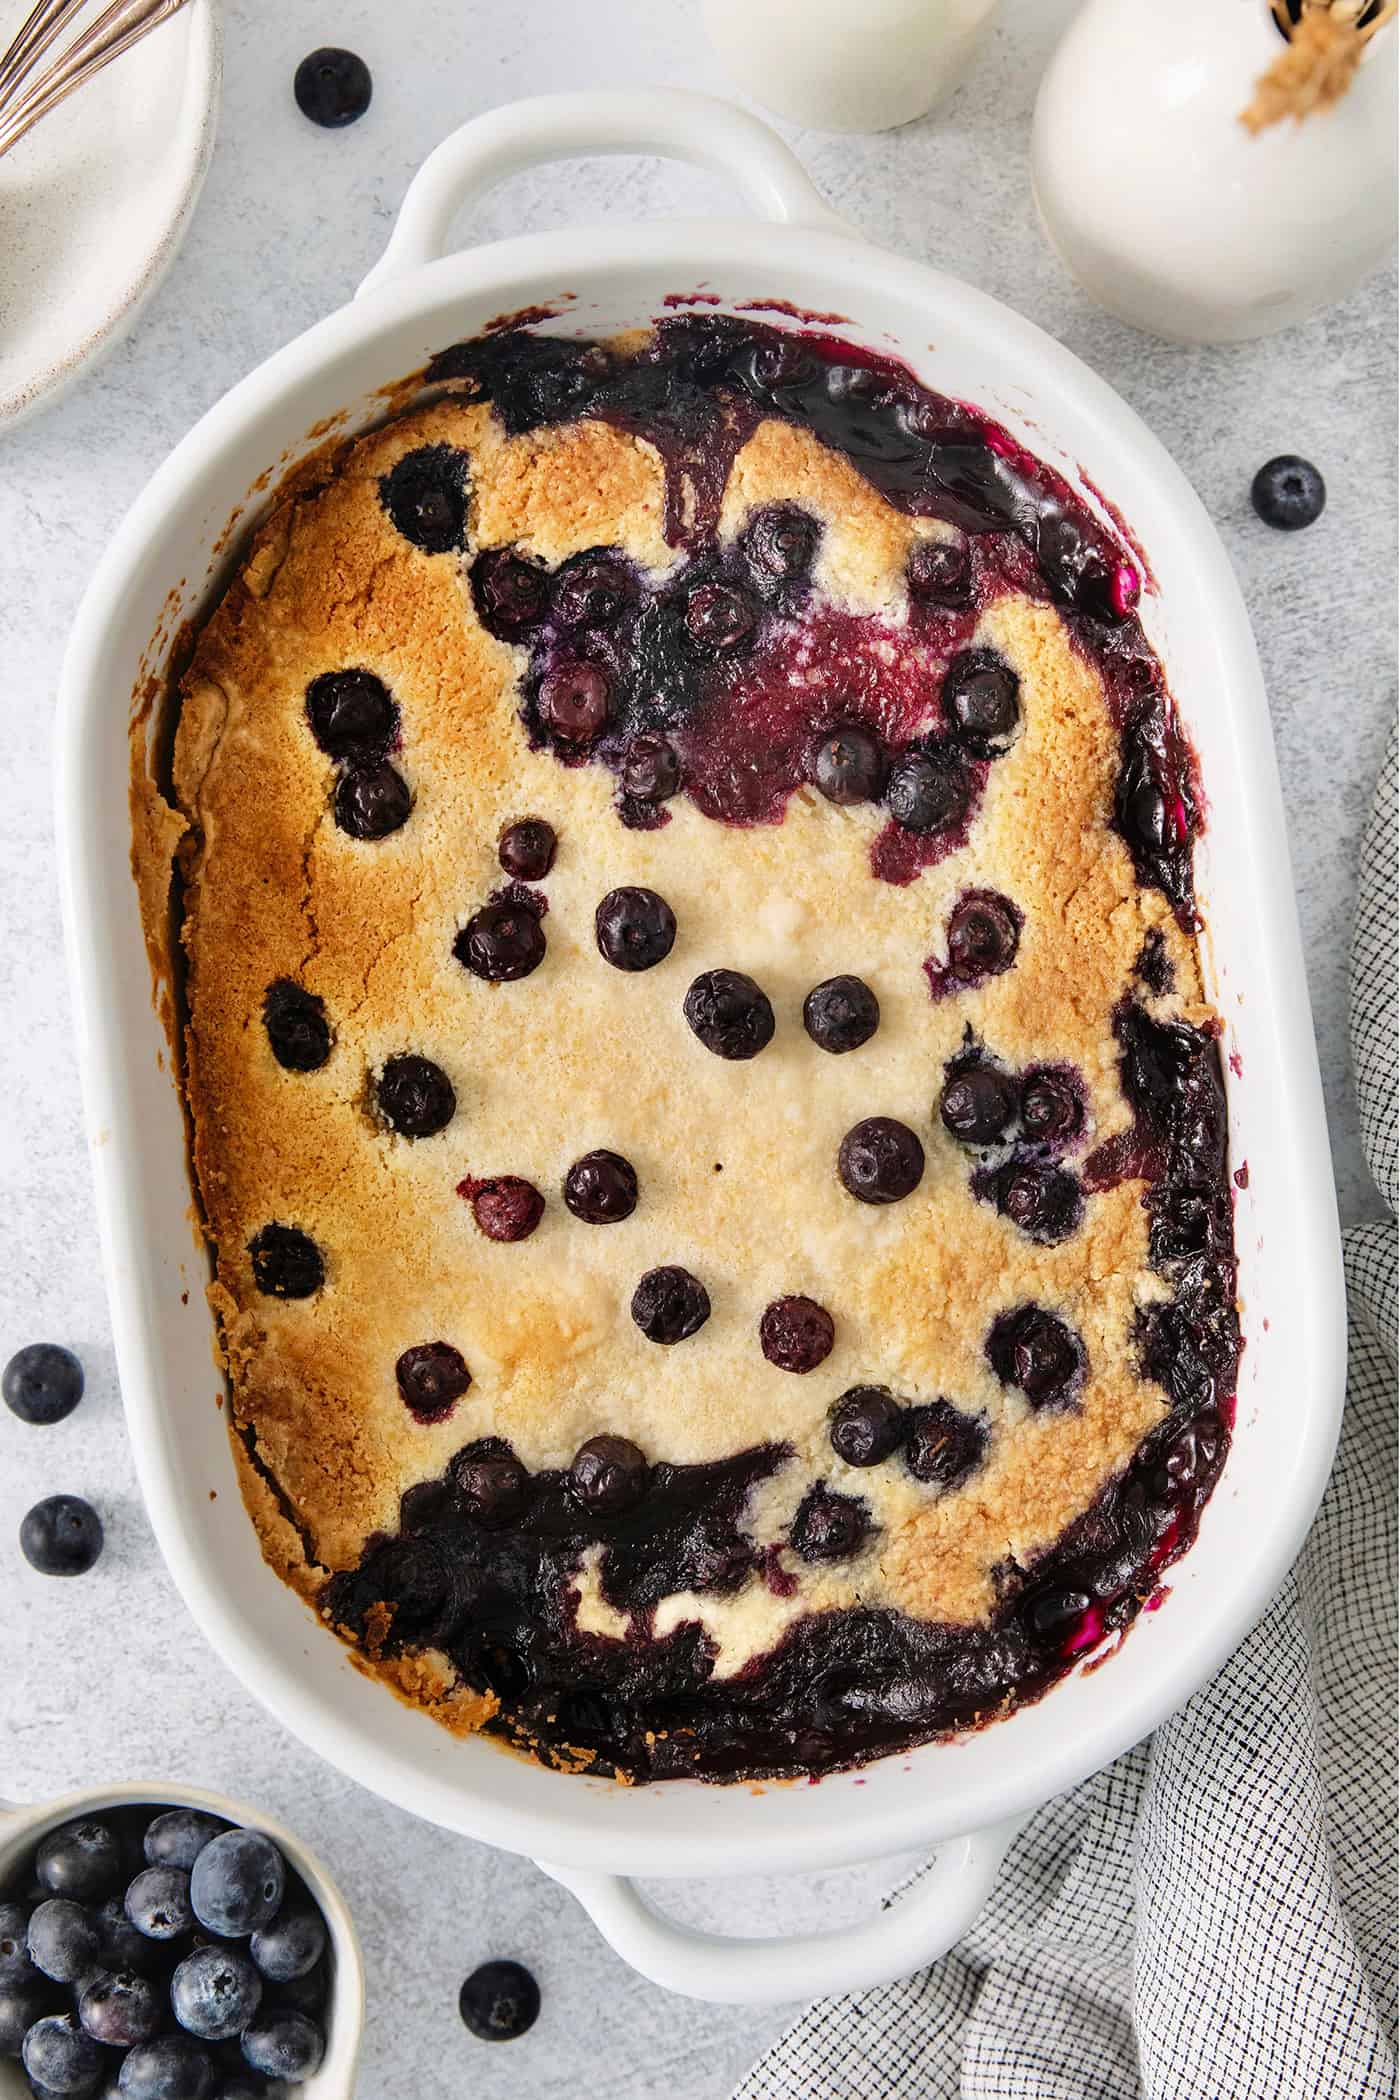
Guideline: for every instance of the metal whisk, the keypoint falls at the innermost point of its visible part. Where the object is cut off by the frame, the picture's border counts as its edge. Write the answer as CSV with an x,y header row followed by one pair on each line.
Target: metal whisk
x,y
29,89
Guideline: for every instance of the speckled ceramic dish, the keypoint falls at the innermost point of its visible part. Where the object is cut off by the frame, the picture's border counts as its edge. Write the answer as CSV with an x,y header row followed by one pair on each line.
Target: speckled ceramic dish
x,y
95,200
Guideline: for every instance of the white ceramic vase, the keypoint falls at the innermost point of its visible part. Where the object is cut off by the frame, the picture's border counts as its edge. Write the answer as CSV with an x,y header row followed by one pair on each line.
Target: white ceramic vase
x,y
1168,211
840,67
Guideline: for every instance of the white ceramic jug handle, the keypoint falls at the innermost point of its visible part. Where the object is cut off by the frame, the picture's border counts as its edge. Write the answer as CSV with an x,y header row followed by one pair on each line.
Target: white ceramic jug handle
x,y
665,121
908,1933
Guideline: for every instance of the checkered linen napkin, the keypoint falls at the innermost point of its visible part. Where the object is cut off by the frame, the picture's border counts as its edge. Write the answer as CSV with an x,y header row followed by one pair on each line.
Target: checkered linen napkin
x,y
1213,1917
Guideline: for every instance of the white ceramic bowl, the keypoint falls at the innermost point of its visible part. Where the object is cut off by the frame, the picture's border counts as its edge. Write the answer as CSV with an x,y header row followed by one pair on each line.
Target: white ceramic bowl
x,y
967,1795
22,1828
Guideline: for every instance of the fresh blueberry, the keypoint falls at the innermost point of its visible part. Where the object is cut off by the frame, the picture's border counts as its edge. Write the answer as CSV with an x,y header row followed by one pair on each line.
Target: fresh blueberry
x,y
867,1425
669,1304
779,544
978,1103
306,1993
121,2009
1050,1105
432,1378
62,1535
501,942
215,1992
158,1902
939,572
63,1940
490,1480
82,1860
237,1883
332,87
848,766
59,2057
828,1526
371,801
42,1383
287,1262
499,2001
943,1446
729,1014
425,495
718,618
1036,1352
591,589
601,1188
123,1947
284,2045
416,1098
981,699
15,1964
172,2067
574,700
176,1838
651,769
298,1033
1044,1202
527,849
352,714
796,1334
510,594
634,928
1288,493
22,2002
505,1208
880,1161
840,1014
984,933
608,1475
928,791
291,1945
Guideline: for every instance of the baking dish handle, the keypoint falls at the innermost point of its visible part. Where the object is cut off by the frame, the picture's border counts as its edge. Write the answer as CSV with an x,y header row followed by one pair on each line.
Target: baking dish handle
x,y
665,121
911,1930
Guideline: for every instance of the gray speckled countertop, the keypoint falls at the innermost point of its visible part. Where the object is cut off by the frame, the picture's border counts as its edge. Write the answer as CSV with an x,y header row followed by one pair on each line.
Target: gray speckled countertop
x,y
109,1678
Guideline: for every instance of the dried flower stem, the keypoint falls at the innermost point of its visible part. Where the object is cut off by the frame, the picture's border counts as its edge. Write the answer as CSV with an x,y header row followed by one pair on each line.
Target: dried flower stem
x,y
1318,65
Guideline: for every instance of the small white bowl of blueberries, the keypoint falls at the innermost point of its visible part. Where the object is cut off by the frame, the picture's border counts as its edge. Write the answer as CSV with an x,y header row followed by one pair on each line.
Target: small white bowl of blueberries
x,y
170,1946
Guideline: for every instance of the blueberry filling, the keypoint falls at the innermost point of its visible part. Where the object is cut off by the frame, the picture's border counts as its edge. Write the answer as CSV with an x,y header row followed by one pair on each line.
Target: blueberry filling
x,y
939,572
591,589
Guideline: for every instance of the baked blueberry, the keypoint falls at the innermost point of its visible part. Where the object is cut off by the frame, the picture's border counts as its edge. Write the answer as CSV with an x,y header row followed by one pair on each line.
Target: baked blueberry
x,y
1052,1613
928,790
608,1475
880,1161
592,589
490,1480
510,594
634,928
499,2001
828,1526
1051,1110
171,2067
60,2058
978,1103
840,1014
601,1188
981,699
939,572
371,801
984,933
215,1992
415,1097
352,714
236,1883
1037,1352
796,1334
63,1940
729,1014
1044,1202
425,494
669,1304
505,1208
718,618
943,1446
287,1262
158,1902
43,1383
333,87
62,1535
176,1838
651,770
82,1860
574,701
527,848
298,1033
867,1425
1288,493
291,1945
432,1377
121,2009
502,941
848,766
285,2045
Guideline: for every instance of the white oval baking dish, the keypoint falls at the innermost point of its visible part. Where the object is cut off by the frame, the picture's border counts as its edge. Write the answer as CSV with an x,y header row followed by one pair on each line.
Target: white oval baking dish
x,y
968,1795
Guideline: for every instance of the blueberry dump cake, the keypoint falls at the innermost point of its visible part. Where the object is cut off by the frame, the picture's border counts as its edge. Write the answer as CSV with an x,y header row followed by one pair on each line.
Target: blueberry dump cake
x,y
701,1094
